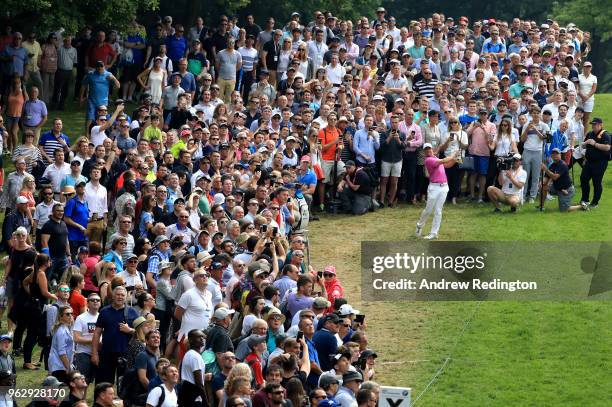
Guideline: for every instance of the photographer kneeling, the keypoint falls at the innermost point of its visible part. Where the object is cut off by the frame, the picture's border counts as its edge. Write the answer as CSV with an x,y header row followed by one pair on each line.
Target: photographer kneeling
x,y
558,182
355,190
512,179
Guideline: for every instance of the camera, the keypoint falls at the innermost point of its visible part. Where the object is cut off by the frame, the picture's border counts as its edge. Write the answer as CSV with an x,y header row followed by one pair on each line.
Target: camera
x,y
504,163
549,137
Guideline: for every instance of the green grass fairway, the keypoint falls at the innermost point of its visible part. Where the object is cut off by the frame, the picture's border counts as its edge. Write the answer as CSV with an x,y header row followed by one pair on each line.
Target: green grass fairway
x,y
499,353
492,353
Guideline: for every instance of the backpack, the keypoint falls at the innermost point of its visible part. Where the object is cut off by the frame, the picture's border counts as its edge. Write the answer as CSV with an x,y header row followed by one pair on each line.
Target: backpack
x,y
372,175
162,396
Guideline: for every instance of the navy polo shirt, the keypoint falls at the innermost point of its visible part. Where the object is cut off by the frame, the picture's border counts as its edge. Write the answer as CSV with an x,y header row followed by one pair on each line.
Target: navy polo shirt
x,y
146,360
326,344
113,340
79,212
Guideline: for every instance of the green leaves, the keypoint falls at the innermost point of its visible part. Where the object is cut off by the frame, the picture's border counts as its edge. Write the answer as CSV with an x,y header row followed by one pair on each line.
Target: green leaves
x,y
588,15
49,15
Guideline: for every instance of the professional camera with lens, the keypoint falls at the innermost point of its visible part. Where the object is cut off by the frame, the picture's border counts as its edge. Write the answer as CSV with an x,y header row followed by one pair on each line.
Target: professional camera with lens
x,y
504,163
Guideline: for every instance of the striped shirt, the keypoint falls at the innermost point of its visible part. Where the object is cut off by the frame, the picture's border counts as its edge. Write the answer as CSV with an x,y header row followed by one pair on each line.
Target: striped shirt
x,y
66,58
50,143
426,88
249,58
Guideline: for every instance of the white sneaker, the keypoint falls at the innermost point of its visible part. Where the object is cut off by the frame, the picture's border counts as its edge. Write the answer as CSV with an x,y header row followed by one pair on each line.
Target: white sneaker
x,y
430,236
530,201
549,197
418,230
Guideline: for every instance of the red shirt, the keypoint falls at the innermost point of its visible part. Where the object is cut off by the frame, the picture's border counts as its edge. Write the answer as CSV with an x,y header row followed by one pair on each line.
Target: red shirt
x,y
77,302
255,363
327,136
104,53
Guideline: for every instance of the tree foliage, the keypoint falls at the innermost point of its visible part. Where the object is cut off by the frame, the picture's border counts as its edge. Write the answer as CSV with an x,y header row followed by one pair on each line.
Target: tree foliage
x,y
593,16
44,16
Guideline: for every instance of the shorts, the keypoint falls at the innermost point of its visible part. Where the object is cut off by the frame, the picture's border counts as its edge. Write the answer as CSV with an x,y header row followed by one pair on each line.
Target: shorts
x,y
328,171
588,105
565,201
11,121
481,164
130,73
91,110
318,172
390,169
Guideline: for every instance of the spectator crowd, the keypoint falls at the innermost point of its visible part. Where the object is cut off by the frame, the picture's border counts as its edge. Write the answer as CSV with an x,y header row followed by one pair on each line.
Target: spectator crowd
x,y
163,253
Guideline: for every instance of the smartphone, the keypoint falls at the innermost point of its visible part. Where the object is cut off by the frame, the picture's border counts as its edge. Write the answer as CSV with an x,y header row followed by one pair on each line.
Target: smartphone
x,y
300,336
360,318
263,228
258,167
320,275
274,231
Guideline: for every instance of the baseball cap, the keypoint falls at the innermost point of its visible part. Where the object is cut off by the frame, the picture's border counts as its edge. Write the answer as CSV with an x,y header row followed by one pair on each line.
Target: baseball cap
x,y
255,340
22,200
6,337
349,163
321,303
305,158
222,313
517,156
367,353
427,145
596,120
351,376
555,150
328,379
346,310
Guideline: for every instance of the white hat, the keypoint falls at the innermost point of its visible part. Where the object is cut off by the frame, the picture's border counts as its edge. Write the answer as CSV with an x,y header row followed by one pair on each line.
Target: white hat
x,y
22,199
219,198
346,309
517,156
222,313
427,145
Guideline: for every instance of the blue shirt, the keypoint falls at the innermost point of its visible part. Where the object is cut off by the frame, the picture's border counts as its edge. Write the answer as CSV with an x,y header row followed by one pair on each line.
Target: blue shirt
x,y
176,47
113,340
61,344
313,356
467,119
79,212
113,257
50,143
188,82
17,64
366,145
326,344
308,179
98,87
138,54
34,111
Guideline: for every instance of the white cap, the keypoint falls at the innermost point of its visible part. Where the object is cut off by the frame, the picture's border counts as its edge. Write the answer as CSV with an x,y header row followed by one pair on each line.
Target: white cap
x,y
517,156
22,200
346,309
222,313
427,145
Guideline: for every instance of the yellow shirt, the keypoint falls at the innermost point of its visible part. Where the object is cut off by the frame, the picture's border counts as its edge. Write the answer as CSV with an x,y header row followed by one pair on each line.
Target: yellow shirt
x,y
152,132
35,50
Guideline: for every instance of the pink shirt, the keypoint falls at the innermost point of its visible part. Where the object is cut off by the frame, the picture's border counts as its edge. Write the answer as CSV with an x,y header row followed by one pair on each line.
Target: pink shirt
x,y
480,139
437,175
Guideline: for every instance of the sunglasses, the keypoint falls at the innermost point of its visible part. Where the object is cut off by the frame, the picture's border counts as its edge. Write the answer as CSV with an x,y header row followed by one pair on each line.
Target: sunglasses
x,y
93,300
64,289
328,274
